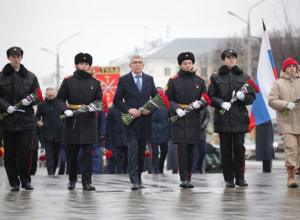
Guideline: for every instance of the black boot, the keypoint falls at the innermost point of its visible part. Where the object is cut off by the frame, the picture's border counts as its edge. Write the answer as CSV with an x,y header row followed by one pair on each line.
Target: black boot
x,y
241,183
71,185
230,184
184,184
267,166
89,187
14,188
27,186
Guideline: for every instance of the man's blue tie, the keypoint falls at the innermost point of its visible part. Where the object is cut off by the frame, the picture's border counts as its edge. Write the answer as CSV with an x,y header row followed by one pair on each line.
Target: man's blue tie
x,y
138,82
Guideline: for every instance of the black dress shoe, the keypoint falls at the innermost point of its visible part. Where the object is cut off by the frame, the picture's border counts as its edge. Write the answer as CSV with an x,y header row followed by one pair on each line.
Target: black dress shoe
x,y
141,185
135,186
230,184
14,188
241,183
89,187
27,186
189,185
71,185
184,184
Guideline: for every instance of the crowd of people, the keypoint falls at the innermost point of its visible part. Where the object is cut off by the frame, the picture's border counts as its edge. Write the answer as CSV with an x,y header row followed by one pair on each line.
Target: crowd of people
x,y
75,132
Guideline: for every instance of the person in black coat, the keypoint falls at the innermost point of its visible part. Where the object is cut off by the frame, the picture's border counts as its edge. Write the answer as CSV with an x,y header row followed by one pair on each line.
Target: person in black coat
x,y
17,83
183,89
79,89
233,125
136,88
161,127
36,138
52,128
116,137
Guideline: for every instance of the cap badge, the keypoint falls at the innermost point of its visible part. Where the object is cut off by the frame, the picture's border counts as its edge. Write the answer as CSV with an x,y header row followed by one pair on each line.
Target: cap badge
x,y
186,55
15,49
84,58
230,51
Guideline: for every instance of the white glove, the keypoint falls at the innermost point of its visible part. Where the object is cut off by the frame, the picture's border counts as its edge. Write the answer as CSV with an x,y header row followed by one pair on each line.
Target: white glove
x,y
25,102
290,106
91,107
226,105
68,113
11,110
196,104
180,112
240,96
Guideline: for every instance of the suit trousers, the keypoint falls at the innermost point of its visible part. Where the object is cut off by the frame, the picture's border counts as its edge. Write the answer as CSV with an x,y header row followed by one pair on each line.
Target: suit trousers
x,y
52,156
185,161
232,166
17,155
87,162
158,163
136,155
121,159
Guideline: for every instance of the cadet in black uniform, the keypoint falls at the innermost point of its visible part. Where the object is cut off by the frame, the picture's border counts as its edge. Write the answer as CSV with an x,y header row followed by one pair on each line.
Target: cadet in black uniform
x,y
79,89
183,89
16,83
233,125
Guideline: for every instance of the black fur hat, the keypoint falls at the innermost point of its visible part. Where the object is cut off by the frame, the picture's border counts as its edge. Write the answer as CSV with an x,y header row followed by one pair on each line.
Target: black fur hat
x,y
84,57
185,56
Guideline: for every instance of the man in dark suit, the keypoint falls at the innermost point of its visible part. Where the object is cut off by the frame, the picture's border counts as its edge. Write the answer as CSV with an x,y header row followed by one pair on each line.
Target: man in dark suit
x,y
136,88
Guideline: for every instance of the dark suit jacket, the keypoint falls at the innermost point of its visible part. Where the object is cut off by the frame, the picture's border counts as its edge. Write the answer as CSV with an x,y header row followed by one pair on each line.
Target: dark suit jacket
x,y
141,127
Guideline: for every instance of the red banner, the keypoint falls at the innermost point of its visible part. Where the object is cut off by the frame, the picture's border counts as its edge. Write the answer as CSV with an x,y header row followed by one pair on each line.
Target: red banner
x,y
109,78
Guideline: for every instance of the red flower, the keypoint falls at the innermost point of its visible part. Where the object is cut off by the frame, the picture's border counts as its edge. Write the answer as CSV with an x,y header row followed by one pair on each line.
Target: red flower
x,y
147,154
164,98
207,99
1,153
105,105
42,157
40,95
108,154
250,81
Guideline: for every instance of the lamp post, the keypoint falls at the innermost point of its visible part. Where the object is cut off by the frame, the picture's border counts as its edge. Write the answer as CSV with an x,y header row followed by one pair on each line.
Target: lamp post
x,y
57,58
249,55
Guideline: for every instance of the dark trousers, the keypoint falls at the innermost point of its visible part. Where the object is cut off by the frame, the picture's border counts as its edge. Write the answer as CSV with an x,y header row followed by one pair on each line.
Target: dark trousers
x,y
52,155
199,158
87,162
232,166
96,160
63,161
185,161
136,155
34,160
17,152
158,164
267,166
111,165
121,159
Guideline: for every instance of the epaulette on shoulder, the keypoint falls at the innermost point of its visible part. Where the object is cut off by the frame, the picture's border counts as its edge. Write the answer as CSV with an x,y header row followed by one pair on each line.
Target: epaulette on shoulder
x,y
96,79
31,72
214,73
173,77
245,73
200,77
68,77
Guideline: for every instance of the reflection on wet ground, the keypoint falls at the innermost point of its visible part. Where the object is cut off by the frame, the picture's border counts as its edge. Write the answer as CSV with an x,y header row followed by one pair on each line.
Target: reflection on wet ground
x,y
266,197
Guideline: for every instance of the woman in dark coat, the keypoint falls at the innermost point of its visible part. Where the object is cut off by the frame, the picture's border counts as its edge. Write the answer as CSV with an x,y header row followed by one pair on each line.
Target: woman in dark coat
x,y
161,125
183,89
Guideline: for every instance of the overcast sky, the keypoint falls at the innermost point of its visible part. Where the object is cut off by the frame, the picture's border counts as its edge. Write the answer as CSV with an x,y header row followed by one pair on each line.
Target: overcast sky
x,y
110,28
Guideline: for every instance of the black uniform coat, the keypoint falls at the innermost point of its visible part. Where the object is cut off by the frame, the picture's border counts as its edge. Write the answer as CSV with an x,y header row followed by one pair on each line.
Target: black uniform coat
x,y
81,88
222,84
141,127
185,88
15,86
53,126
114,127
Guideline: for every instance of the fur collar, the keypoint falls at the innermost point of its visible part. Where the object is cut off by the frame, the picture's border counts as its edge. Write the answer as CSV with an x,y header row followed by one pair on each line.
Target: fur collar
x,y
224,69
8,68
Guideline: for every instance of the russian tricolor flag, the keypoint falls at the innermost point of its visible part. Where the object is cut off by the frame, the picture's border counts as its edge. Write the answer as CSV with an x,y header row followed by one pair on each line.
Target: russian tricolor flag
x,y
266,74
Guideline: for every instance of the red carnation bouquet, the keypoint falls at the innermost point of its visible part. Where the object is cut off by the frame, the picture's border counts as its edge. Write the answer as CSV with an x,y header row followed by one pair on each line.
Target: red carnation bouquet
x,y
36,95
42,157
1,152
160,100
147,152
105,105
248,87
204,99
107,153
